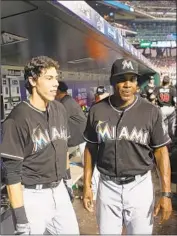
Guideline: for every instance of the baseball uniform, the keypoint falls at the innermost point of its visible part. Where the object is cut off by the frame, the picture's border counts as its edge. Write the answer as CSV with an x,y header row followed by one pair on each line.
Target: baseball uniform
x,y
76,120
34,149
166,100
126,138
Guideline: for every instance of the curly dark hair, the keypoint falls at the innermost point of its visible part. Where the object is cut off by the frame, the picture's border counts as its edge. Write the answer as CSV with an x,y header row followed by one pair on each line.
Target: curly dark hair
x,y
35,67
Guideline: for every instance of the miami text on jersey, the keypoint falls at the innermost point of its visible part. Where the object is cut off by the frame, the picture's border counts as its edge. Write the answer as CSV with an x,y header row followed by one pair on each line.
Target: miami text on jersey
x,y
106,132
41,137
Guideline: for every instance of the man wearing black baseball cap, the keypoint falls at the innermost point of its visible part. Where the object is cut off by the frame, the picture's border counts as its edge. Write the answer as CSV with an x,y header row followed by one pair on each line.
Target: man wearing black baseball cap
x,y
124,77
62,88
76,122
100,90
76,117
149,90
122,132
166,100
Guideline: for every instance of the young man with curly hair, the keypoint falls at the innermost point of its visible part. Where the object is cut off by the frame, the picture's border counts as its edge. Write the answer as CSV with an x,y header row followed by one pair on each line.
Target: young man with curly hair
x,y
34,152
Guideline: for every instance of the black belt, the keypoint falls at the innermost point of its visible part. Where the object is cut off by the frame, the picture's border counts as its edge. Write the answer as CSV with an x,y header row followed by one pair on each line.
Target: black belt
x,y
42,186
122,180
165,105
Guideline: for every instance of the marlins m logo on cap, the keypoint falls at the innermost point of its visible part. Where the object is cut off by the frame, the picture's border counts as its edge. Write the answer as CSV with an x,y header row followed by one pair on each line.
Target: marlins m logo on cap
x,y
122,66
127,65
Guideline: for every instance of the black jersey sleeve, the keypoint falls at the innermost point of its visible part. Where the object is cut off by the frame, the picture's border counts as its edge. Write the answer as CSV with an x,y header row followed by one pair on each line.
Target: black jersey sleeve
x,y
159,135
12,146
174,93
76,121
90,134
12,151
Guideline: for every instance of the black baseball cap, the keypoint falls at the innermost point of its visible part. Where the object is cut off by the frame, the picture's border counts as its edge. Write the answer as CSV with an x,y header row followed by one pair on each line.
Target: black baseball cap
x,y
62,86
100,90
151,77
166,79
123,66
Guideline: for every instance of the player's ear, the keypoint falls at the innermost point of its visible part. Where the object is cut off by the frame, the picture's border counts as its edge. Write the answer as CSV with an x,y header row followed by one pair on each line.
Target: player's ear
x,y
32,81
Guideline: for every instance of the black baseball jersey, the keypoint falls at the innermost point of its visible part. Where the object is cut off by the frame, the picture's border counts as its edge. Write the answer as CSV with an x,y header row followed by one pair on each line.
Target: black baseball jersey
x,y
165,96
126,137
76,120
38,140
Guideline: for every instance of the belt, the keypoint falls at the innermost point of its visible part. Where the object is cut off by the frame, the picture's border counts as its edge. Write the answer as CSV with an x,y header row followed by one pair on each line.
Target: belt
x,y
122,180
162,105
42,186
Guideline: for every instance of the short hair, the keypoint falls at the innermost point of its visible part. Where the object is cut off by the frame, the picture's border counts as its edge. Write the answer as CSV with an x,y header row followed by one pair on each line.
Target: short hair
x,y
34,69
166,79
62,86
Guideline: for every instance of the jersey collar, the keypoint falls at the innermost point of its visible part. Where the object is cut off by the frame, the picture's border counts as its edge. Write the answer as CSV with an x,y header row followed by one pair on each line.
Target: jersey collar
x,y
34,108
126,109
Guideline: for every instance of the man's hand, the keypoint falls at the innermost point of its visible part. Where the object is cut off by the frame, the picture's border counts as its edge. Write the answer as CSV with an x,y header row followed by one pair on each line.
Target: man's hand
x,y
163,165
165,206
88,199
